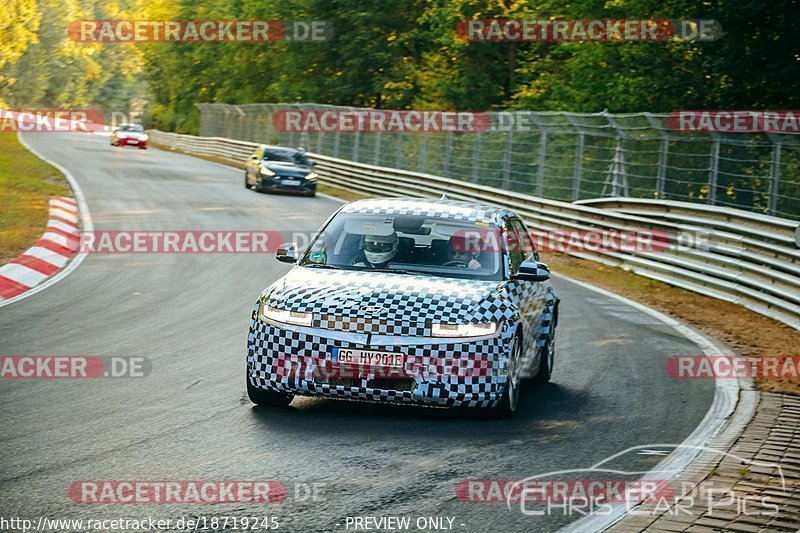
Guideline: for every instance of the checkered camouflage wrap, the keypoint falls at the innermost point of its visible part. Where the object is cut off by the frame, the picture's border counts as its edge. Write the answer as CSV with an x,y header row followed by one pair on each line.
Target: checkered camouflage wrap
x,y
347,301
273,353
445,209
395,313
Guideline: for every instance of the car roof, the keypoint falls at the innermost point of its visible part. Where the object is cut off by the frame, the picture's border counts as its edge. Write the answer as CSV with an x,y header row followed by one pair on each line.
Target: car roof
x,y
442,207
279,149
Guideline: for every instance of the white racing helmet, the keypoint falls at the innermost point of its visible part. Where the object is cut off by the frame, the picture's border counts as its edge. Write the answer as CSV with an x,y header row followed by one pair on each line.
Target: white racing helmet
x,y
379,249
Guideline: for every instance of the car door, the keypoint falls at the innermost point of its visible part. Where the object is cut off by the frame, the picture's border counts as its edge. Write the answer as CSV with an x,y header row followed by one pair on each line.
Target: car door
x,y
528,296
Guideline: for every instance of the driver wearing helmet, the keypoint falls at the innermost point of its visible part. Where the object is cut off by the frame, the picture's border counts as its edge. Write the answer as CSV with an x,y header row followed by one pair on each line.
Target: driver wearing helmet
x,y
378,250
460,254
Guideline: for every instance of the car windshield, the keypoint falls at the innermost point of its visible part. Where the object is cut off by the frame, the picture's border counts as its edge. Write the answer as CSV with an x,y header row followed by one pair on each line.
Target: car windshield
x,y
286,156
132,127
412,244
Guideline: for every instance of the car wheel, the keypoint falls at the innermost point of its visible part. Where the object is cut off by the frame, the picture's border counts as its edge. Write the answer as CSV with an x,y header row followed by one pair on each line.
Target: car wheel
x,y
267,397
508,404
546,359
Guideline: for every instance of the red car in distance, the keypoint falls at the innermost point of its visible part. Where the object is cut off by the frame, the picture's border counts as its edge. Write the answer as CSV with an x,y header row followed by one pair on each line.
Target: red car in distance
x,y
129,134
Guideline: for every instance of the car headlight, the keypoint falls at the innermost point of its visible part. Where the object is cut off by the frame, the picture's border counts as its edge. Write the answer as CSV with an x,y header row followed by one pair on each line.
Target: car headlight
x,y
464,330
145,137
266,312
313,176
267,172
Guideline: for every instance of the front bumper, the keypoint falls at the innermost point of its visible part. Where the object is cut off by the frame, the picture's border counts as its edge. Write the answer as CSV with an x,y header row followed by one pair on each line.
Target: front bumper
x,y
131,142
448,373
279,184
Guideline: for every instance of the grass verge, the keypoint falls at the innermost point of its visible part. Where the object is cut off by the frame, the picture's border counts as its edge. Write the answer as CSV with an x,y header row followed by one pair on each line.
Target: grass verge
x,y
26,185
747,332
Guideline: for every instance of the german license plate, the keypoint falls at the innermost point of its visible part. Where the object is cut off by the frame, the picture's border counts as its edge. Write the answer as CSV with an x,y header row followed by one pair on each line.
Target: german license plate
x,y
368,358
291,182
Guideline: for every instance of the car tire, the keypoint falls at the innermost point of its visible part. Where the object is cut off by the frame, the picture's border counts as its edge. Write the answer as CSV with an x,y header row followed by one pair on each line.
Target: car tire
x,y
546,360
267,397
510,400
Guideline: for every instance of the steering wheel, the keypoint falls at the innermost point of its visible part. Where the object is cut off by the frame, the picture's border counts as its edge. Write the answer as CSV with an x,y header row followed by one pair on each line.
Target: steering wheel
x,y
462,264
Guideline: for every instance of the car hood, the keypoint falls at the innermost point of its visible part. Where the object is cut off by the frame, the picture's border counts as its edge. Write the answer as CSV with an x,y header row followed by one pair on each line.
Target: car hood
x,y
387,300
287,169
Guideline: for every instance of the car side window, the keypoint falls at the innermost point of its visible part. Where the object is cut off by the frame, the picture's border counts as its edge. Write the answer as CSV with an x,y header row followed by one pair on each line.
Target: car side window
x,y
515,255
526,243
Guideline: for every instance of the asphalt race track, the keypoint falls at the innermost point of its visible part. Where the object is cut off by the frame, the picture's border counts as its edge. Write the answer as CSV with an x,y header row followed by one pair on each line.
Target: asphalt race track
x,y
190,418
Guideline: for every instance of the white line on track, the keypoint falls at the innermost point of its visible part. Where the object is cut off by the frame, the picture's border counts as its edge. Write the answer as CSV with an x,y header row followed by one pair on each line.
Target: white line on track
x,y
726,395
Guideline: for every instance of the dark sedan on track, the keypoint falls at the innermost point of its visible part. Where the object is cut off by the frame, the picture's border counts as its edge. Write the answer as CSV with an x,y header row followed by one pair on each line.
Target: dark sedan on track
x,y
280,169
410,301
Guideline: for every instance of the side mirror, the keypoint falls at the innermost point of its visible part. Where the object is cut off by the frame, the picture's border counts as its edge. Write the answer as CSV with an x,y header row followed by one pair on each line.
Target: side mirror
x,y
533,271
254,156
287,253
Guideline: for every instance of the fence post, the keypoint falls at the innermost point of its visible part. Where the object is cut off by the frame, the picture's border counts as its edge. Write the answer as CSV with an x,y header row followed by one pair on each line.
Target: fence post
x,y
377,156
714,173
476,157
540,170
774,176
399,153
336,143
661,176
617,171
507,161
356,139
578,170
448,153
319,142
423,151
617,174
663,154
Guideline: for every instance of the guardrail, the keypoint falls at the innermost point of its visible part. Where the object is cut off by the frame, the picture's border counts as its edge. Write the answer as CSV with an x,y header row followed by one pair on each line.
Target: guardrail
x,y
745,258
